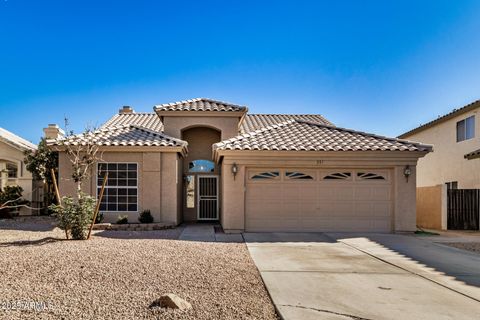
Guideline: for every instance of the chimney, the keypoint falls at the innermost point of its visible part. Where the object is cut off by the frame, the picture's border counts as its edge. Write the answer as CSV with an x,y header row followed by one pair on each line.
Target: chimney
x,y
53,132
126,110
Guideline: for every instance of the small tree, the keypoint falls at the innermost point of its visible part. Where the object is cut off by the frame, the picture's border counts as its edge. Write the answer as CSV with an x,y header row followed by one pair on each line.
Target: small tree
x,y
40,163
82,152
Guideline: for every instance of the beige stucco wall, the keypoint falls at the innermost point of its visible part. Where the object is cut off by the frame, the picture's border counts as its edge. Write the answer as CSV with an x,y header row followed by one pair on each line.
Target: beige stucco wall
x,y
446,163
24,177
200,140
174,125
158,183
404,192
431,207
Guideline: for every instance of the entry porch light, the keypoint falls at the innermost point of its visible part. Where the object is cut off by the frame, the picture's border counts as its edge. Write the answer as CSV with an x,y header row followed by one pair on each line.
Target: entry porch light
x,y
407,172
234,170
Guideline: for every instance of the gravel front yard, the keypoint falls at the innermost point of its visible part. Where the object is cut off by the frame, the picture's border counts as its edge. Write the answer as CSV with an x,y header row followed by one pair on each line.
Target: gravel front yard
x,y
118,274
470,246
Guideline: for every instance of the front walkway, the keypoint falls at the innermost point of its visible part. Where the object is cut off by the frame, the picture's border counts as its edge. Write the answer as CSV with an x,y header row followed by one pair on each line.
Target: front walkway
x,y
206,232
374,276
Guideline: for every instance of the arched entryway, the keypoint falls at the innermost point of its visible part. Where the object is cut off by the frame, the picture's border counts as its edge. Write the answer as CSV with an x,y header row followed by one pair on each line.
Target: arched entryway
x,y
201,175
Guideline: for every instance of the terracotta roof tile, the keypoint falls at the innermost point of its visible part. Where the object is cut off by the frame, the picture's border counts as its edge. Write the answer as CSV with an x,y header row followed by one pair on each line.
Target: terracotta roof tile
x,y
200,104
149,120
129,135
299,135
254,122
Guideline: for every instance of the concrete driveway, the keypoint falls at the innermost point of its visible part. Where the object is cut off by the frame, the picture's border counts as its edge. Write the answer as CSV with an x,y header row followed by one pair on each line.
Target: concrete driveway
x,y
372,276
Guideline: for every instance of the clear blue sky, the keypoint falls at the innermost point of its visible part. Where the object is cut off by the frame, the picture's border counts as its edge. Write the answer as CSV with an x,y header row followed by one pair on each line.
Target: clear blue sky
x,y
377,66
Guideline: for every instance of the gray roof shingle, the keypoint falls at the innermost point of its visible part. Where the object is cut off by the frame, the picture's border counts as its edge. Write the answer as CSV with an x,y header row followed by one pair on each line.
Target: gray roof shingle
x,y
149,120
254,122
200,104
126,136
299,135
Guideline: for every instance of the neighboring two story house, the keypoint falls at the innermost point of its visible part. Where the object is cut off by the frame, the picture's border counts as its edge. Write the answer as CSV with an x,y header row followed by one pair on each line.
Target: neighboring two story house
x,y
202,159
456,140
454,164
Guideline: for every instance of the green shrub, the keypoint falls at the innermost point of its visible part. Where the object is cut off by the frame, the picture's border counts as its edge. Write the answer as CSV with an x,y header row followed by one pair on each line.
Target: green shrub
x,y
145,217
75,215
11,196
122,219
99,218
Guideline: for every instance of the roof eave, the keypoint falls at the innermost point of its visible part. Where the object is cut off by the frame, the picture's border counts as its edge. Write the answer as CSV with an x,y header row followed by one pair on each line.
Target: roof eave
x,y
472,155
17,146
195,113
448,116
183,150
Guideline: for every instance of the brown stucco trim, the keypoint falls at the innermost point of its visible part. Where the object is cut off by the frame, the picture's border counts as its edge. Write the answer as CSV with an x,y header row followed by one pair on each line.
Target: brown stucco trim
x,y
319,157
448,116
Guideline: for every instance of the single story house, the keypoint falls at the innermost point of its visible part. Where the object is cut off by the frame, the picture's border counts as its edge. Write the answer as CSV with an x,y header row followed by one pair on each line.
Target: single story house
x,y
12,167
207,160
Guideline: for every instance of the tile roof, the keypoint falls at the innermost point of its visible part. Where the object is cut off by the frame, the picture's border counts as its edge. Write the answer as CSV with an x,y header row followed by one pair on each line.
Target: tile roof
x,y
254,122
298,135
127,136
200,104
453,113
16,141
149,120
472,155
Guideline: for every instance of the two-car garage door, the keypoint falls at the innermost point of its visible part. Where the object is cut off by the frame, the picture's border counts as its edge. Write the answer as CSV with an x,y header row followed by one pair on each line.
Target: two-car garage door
x,y
318,200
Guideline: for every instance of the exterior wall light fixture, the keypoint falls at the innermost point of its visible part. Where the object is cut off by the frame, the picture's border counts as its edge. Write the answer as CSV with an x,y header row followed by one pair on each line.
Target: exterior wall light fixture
x,y
234,170
407,172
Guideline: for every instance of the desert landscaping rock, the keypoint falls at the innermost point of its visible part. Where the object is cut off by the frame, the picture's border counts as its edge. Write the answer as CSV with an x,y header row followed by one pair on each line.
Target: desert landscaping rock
x,y
470,246
118,274
172,301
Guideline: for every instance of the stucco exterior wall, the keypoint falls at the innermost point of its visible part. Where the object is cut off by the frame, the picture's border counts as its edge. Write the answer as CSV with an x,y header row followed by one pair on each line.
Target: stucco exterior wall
x,y
157,183
446,163
174,125
432,207
404,199
24,177
233,190
232,209
200,140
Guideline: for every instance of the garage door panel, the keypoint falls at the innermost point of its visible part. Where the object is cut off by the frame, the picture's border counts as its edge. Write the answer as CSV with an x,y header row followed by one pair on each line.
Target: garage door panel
x,y
264,191
267,209
381,209
309,209
336,192
319,205
307,193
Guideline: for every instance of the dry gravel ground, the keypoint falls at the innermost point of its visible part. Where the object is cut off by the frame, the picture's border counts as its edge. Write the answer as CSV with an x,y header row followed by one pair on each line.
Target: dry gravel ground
x,y
470,246
118,274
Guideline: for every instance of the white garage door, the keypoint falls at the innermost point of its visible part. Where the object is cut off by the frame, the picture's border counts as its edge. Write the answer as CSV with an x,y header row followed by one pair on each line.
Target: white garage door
x,y
318,200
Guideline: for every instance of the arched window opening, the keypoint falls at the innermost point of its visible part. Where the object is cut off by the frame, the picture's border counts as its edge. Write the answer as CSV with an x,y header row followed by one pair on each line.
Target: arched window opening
x,y
201,166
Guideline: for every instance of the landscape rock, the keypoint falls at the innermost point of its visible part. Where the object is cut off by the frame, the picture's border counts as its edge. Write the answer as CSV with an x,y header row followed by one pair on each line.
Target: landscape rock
x,y
172,301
